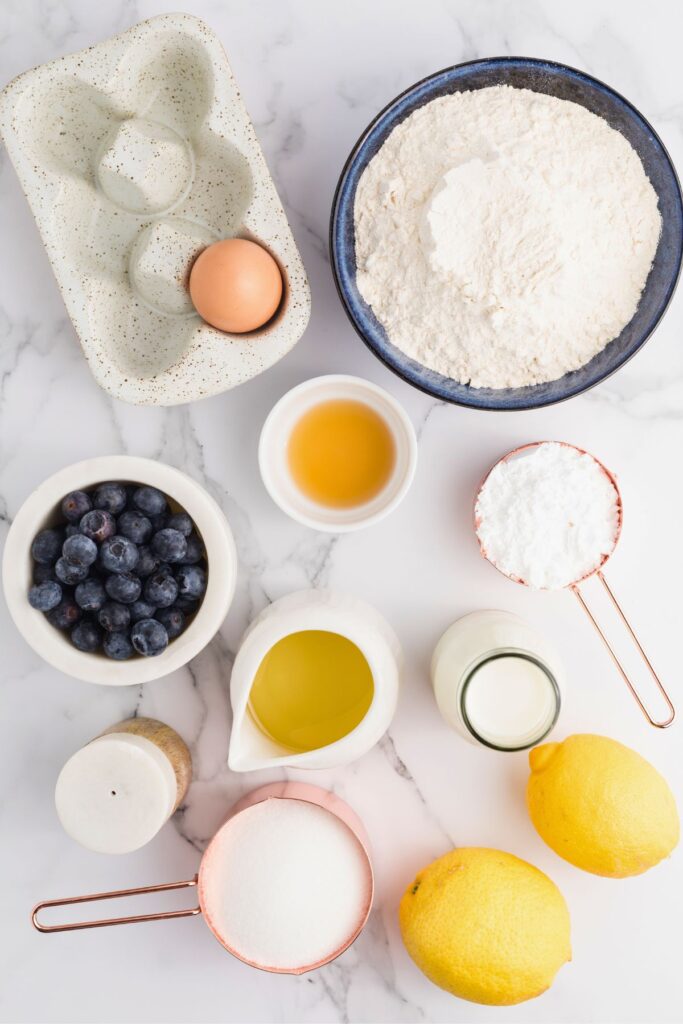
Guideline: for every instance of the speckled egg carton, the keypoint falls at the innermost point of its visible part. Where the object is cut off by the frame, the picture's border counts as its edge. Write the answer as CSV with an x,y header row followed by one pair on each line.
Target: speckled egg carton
x,y
134,155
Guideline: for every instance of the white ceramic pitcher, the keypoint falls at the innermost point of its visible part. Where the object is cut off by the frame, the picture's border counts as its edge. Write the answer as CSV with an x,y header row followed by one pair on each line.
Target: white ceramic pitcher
x,y
250,748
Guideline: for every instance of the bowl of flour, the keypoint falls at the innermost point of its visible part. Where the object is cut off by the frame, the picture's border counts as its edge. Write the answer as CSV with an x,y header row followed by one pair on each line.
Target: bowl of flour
x,y
507,233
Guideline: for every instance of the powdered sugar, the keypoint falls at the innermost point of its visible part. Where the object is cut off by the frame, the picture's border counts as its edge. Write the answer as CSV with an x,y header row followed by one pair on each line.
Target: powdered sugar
x,y
549,516
504,237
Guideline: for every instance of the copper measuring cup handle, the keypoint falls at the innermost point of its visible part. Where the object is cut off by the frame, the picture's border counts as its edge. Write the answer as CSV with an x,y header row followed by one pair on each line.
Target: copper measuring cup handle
x,y
658,725
164,916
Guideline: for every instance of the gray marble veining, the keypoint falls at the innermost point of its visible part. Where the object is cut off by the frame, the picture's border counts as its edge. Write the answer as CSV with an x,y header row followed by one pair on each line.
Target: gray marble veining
x,y
312,75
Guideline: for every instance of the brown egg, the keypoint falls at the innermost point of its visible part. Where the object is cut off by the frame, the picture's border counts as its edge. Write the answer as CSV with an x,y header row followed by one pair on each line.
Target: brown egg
x,y
235,285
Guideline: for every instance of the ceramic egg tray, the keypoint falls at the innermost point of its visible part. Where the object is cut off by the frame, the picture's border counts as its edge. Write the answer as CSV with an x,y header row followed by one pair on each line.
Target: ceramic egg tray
x,y
134,155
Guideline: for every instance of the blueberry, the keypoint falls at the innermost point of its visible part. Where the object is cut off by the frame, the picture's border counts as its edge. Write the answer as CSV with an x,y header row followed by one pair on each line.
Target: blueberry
x,y
118,554
173,620
135,526
114,617
182,523
65,615
124,587
195,550
111,497
161,590
87,637
45,596
147,561
169,545
70,574
149,637
141,610
98,525
90,595
117,646
186,604
71,530
47,546
150,501
43,573
80,550
191,580
75,505
159,522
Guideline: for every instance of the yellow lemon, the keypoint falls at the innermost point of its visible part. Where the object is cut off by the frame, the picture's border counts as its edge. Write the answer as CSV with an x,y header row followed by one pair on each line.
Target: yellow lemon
x,y
486,926
601,806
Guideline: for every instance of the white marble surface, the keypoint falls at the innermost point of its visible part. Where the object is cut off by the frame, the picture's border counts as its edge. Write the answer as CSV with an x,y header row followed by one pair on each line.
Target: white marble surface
x,y
312,75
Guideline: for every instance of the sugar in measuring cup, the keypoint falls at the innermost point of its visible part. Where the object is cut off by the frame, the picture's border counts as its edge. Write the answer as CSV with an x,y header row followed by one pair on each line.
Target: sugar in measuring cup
x,y
285,885
549,515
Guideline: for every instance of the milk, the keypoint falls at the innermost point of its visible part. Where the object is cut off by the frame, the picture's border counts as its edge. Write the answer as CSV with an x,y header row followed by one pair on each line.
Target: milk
x,y
495,680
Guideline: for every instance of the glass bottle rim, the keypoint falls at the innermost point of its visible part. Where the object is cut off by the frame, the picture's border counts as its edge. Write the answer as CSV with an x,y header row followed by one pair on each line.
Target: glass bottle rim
x,y
495,656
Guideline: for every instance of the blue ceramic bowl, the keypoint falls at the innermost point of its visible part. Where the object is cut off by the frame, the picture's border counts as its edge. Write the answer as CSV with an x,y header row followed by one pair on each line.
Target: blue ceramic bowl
x,y
567,84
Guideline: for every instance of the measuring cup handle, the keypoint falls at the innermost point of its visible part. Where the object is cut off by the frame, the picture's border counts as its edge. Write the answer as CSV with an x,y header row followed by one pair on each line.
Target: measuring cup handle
x,y
165,916
661,724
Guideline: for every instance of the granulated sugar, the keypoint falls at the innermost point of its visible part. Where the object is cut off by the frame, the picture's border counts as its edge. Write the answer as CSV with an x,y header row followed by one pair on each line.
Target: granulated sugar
x,y
287,885
548,517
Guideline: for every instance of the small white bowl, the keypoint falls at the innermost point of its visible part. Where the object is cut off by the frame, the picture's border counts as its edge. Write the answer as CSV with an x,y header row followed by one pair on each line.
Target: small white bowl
x,y
273,461
41,510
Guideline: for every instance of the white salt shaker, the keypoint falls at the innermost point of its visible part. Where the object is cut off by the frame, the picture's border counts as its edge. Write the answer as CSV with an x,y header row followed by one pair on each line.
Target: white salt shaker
x,y
496,680
115,793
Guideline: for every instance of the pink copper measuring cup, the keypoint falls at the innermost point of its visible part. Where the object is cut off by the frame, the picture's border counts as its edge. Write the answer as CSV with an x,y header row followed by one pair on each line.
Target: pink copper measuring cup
x,y
276,791
575,586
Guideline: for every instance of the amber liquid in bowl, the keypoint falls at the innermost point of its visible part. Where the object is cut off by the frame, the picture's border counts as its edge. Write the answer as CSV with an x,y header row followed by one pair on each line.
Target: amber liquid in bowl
x,y
341,453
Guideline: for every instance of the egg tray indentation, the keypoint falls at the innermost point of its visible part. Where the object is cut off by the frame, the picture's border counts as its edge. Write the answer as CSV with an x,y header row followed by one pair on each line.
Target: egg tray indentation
x,y
134,155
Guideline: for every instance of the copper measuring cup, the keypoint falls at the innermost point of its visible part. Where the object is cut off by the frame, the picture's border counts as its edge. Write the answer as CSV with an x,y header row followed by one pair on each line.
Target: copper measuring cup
x,y
598,572
275,791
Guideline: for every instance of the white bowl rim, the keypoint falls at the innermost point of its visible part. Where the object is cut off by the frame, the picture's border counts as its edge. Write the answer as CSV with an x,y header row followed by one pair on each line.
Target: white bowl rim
x,y
52,645
398,422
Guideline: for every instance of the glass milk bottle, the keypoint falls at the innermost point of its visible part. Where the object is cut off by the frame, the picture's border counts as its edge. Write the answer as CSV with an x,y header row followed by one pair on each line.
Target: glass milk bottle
x,y
496,680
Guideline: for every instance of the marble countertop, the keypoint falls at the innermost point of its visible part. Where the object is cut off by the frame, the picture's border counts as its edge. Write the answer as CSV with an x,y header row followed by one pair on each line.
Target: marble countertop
x,y
312,75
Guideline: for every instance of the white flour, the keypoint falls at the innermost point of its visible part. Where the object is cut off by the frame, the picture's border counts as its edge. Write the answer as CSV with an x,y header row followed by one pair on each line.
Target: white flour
x,y
548,517
503,237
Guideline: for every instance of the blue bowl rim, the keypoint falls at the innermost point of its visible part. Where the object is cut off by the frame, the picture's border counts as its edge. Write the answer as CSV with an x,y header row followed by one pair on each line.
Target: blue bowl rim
x,y
404,373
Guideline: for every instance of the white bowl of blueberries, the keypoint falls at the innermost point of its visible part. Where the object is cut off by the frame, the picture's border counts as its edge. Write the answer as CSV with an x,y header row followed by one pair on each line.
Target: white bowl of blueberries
x,y
119,570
